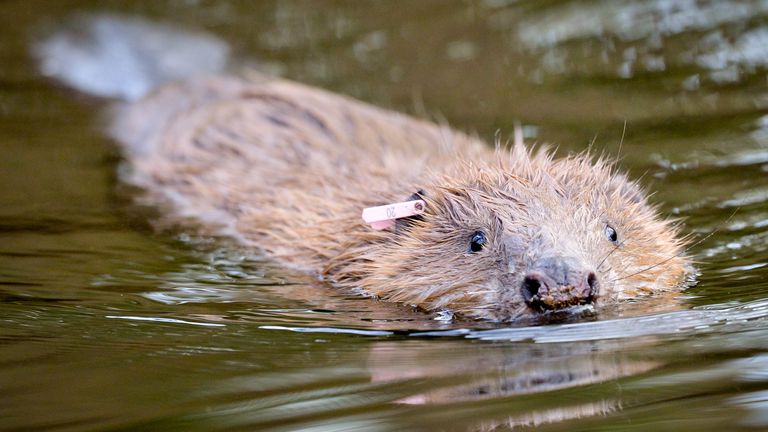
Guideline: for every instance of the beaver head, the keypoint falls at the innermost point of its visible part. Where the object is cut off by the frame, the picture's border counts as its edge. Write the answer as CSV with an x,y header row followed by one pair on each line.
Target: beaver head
x,y
525,235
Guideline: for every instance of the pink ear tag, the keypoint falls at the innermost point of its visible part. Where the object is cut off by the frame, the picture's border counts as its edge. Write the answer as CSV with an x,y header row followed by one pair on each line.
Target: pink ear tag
x,y
383,217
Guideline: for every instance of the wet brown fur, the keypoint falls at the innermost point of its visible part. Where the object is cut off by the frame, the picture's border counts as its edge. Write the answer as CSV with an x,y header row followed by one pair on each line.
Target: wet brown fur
x,y
288,168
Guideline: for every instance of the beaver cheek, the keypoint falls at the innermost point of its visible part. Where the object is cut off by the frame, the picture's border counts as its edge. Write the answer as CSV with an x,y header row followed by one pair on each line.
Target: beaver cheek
x,y
511,267
510,302
512,254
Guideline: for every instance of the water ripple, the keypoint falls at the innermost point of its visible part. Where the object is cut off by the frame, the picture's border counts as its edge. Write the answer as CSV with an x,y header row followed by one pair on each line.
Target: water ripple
x,y
164,320
698,320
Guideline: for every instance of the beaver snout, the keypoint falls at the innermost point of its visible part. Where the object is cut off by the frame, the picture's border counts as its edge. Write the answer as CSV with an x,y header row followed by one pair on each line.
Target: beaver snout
x,y
558,283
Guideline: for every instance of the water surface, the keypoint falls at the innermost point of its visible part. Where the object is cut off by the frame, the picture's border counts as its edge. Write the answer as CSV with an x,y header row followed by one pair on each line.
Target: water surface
x,y
107,325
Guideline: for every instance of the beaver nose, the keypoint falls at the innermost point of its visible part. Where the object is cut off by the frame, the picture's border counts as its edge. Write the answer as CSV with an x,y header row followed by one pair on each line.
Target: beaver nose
x,y
558,283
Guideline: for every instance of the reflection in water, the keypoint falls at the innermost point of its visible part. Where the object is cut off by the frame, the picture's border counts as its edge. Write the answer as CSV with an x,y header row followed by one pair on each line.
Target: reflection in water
x,y
570,371
449,385
95,312
515,375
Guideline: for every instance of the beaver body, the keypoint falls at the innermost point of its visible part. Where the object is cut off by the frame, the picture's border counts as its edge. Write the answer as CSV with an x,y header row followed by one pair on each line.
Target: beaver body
x,y
287,168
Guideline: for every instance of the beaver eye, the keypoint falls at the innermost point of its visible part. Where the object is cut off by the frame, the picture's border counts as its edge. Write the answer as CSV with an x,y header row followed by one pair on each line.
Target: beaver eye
x,y
611,233
477,242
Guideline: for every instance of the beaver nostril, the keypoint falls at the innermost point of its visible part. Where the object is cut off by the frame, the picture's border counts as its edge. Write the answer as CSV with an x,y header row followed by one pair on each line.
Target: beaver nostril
x,y
530,287
592,287
592,282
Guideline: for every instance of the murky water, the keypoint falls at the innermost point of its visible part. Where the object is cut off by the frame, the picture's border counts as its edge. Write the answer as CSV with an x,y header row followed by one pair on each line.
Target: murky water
x,y
105,324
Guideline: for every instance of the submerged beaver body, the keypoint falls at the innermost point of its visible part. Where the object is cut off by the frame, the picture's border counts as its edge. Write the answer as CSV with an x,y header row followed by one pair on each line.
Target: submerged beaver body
x,y
288,168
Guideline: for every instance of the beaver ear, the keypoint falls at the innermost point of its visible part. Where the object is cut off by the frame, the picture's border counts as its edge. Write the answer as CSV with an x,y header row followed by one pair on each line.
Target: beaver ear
x,y
403,223
418,195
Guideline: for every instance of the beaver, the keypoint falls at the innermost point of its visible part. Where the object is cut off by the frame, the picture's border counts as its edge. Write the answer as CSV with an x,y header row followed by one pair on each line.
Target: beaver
x,y
506,232
288,168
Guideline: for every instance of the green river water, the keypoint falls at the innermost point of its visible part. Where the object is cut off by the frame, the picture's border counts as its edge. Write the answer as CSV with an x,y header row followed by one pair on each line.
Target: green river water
x,y
108,325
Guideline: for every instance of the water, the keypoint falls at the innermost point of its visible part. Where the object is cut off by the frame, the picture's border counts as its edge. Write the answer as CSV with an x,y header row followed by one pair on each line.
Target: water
x,y
107,325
